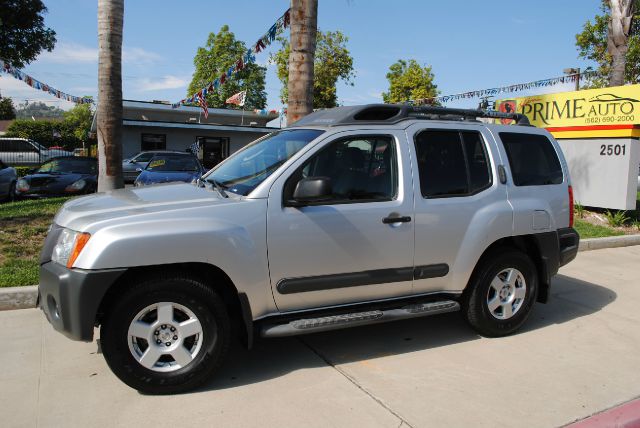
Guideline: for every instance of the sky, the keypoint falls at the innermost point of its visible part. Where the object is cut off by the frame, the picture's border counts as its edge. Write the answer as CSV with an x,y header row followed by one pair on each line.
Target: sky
x,y
469,44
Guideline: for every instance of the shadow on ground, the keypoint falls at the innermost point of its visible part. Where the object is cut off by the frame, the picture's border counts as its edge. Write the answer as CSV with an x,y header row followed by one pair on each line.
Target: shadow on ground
x,y
570,299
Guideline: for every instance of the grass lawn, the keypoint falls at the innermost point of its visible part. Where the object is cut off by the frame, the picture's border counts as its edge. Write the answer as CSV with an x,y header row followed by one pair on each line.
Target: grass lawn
x,y
588,230
23,227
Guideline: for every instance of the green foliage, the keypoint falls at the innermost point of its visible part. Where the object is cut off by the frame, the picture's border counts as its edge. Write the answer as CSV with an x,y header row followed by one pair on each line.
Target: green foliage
x,y
77,121
221,52
332,62
7,110
38,110
588,230
592,45
617,219
68,132
31,208
409,81
22,32
578,208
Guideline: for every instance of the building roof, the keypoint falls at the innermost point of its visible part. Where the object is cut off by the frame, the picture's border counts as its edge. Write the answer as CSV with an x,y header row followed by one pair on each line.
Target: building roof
x,y
195,125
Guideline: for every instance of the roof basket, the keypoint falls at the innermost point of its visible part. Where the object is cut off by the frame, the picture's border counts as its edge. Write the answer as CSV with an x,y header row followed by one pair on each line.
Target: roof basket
x,y
394,113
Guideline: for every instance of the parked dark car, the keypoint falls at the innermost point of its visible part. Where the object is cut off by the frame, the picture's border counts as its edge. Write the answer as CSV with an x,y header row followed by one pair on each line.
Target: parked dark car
x,y
131,167
61,176
8,178
170,167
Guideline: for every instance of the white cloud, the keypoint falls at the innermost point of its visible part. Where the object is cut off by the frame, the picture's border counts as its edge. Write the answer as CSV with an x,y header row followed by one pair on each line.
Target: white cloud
x,y
167,82
69,52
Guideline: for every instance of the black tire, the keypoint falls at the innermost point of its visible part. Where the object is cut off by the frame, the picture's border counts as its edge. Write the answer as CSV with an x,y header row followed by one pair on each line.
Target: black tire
x,y
475,304
192,294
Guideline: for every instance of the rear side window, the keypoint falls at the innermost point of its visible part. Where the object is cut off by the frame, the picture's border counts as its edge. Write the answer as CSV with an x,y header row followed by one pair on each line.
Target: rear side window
x,y
452,163
533,160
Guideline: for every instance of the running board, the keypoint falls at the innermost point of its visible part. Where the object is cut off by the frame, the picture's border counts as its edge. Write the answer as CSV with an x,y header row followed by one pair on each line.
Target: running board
x,y
335,322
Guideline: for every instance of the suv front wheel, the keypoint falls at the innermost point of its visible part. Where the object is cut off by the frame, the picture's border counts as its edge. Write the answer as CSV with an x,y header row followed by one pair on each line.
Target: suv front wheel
x,y
501,293
166,335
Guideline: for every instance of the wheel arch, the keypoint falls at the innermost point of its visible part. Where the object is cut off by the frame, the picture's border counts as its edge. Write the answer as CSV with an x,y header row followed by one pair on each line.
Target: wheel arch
x,y
237,302
543,250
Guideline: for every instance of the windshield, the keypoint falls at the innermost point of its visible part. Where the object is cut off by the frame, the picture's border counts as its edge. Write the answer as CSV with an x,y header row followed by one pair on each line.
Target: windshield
x,y
69,165
246,169
173,163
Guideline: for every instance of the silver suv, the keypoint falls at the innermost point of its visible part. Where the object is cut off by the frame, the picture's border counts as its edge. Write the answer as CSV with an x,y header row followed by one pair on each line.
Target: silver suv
x,y
353,216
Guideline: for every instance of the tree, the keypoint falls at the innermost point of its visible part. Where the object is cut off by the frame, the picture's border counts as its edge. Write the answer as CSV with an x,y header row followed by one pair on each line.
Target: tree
x,y
304,25
77,121
38,110
23,34
409,81
7,111
332,62
593,44
221,51
109,120
618,38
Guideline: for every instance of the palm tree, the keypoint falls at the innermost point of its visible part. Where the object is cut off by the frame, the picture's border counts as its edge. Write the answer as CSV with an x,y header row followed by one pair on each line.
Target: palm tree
x,y
109,120
618,38
304,26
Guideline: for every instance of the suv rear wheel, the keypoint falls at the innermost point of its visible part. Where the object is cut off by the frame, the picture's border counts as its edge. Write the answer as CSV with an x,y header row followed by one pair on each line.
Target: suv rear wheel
x,y
166,335
501,293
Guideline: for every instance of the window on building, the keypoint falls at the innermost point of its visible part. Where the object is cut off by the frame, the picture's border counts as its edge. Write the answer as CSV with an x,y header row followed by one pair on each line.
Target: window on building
x,y
532,158
452,163
153,142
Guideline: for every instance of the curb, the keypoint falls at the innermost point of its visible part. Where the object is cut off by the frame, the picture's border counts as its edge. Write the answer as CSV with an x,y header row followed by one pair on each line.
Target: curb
x,y
609,242
25,297
623,415
18,297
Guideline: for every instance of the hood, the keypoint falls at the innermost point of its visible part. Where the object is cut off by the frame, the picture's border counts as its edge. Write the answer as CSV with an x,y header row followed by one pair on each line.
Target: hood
x,y
150,177
41,180
136,204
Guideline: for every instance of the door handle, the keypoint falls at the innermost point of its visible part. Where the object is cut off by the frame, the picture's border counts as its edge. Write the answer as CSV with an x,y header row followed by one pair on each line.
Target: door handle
x,y
401,219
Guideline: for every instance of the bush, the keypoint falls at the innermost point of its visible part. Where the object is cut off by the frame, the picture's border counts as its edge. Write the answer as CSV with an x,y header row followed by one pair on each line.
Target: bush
x,y
579,209
618,219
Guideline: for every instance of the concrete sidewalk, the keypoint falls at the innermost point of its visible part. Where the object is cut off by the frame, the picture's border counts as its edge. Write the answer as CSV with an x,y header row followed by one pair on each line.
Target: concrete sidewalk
x,y
578,355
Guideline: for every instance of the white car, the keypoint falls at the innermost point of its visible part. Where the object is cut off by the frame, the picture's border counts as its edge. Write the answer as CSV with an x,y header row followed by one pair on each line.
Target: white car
x,y
22,151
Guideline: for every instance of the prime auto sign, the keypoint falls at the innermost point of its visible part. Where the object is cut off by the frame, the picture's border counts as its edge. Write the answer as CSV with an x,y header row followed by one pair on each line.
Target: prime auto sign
x,y
598,130
605,109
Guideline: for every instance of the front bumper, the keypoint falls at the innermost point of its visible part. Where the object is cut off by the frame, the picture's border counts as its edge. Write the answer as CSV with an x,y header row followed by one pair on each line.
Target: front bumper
x,y
70,298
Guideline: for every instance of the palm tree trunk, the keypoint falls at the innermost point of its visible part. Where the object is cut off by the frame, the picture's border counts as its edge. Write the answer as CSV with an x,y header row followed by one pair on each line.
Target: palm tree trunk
x,y
109,119
618,38
304,26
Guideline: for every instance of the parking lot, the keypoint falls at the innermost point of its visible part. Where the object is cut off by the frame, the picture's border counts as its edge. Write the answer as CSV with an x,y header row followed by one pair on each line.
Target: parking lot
x,y
578,355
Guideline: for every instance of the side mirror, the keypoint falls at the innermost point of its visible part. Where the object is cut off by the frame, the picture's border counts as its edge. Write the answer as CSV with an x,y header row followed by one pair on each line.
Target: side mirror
x,y
138,169
312,190
132,161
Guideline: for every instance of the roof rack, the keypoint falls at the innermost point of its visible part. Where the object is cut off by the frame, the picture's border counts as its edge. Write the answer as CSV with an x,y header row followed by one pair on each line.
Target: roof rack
x,y
394,113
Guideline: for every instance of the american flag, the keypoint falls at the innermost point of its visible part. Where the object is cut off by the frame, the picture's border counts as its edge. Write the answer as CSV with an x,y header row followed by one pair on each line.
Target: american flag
x,y
195,148
203,104
237,99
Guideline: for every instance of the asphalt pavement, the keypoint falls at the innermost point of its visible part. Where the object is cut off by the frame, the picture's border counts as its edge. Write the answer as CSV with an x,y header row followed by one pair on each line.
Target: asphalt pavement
x,y
577,355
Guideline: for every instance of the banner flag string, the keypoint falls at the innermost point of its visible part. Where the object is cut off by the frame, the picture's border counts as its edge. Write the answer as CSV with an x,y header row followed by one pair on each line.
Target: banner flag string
x,y
277,28
505,89
36,84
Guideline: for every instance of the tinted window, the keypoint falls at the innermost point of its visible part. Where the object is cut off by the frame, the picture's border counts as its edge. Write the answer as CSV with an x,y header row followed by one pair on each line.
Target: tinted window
x,y
144,157
532,158
70,165
451,163
361,168
173,163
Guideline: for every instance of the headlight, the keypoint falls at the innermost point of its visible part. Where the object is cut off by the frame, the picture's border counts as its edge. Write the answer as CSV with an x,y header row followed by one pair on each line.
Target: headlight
x,y
68,247
76,186
22,185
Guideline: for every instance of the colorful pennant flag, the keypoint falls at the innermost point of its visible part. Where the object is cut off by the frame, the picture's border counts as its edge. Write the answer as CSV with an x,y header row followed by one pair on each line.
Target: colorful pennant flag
x,y
237,99
36,84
